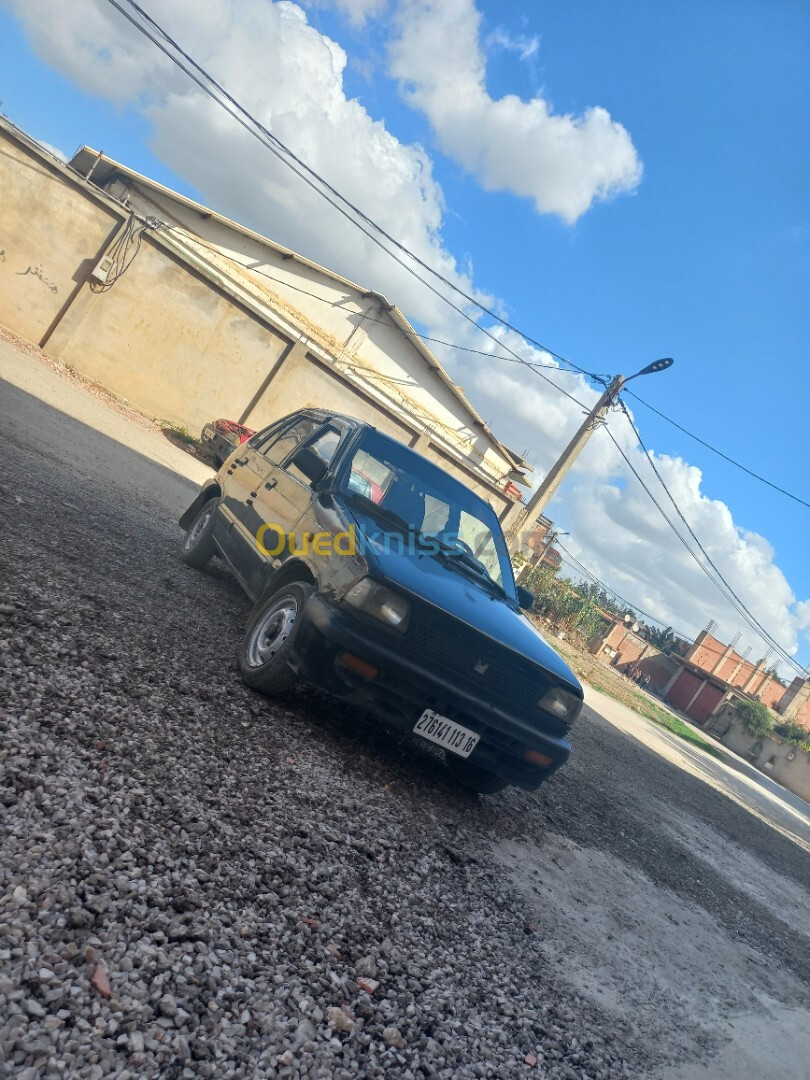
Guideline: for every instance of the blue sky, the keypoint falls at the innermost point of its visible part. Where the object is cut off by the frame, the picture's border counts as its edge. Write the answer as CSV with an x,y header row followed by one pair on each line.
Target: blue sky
x,y
707,260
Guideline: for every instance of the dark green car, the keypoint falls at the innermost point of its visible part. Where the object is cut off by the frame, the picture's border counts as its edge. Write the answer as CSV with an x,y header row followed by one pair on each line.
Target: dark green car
x,y
385,581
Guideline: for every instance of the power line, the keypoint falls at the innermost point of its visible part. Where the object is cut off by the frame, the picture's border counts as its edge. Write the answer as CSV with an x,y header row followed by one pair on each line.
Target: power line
x,y
312,178
725,589
279,147
363,316
580,568
679,512
714,450
263,135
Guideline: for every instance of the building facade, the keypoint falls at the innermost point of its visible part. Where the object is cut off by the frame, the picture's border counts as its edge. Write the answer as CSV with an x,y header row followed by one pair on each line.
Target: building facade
x,y
189,316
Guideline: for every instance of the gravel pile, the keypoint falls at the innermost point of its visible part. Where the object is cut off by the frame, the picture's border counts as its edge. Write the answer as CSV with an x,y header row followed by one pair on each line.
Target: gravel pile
x,y
200,882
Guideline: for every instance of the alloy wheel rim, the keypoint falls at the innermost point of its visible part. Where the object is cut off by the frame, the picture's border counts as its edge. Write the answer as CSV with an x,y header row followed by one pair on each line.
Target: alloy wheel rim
x,y
271,632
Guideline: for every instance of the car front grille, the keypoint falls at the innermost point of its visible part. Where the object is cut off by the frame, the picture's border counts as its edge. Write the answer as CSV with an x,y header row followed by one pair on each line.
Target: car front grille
x,y
483,664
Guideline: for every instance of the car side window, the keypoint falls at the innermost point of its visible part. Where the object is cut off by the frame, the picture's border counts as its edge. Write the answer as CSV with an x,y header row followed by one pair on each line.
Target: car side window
x,y
279,449
262,439
324,445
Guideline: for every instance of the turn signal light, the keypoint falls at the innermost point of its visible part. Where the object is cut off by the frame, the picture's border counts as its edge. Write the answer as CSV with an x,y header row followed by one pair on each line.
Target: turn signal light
x,y
536,758
361,667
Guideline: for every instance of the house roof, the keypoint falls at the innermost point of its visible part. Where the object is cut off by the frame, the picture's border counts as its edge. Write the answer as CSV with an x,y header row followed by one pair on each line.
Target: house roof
x,y
98,168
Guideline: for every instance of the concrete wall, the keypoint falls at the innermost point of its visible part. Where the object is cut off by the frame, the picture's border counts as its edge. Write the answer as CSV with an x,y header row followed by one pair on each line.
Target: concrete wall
x,y
51,235
623,649
353,327
786,763
302,381
660,669
187,334
168,342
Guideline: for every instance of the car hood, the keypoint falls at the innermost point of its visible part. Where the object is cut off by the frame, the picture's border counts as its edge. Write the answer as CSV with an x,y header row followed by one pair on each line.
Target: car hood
x,y
430,578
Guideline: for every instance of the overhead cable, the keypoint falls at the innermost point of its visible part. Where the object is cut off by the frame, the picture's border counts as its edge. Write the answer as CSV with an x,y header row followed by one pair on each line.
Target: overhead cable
x,y
286,154
721,585
714,450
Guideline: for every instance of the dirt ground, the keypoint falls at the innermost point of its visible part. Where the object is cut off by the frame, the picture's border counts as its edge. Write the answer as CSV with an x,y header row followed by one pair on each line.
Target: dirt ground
x,y
654,897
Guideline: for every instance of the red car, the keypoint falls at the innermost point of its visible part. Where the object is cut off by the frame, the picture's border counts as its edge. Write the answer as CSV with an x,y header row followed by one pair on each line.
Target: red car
x,y
220,438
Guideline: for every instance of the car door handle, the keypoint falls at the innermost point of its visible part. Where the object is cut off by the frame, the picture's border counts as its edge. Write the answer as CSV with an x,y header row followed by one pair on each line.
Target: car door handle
x,y
241,461
270,484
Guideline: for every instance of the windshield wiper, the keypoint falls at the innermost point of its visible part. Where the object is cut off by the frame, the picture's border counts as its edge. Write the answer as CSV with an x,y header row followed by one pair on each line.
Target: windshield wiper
x,y
454,556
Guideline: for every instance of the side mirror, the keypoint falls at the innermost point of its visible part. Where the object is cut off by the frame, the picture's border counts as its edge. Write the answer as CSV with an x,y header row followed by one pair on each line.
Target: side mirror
x,y
311,464
525,598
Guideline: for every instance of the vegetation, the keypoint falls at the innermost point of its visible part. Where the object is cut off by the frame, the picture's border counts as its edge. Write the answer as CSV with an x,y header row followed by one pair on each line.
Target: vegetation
x,y
792,732
181,434
569,606
756,718
577,606
607,681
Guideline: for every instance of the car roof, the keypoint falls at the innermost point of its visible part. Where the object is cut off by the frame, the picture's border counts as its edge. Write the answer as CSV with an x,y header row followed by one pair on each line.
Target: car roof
x,y
329,414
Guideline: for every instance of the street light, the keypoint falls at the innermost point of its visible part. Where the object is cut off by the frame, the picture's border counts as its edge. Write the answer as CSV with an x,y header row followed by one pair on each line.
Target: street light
x,y
650,369
557,472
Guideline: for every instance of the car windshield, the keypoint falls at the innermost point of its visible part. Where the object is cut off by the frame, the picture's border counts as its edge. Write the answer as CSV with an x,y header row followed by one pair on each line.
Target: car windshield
x,y
412,494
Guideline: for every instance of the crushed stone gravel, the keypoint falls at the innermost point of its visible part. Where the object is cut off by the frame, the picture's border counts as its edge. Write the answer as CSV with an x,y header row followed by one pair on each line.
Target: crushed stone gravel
x,y
199,882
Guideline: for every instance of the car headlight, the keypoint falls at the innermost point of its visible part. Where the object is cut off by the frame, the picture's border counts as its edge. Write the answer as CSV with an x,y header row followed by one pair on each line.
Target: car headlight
x,y
560,703
381,603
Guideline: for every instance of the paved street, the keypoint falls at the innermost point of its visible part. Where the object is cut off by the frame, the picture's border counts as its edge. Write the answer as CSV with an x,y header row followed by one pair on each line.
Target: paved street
x,y
288,888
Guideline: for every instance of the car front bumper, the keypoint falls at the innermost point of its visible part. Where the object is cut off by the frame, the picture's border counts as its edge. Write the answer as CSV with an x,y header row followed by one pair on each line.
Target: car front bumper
x,y
405,686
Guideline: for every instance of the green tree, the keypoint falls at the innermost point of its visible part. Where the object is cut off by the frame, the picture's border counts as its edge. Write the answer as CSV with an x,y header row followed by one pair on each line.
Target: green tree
x,y
756,717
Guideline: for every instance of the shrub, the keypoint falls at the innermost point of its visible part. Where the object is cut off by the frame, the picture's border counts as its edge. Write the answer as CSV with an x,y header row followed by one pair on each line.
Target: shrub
x,y
756,717
793,732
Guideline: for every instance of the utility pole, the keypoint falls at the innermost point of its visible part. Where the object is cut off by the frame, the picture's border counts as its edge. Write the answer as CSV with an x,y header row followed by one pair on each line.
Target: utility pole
x,y
558,471
538,560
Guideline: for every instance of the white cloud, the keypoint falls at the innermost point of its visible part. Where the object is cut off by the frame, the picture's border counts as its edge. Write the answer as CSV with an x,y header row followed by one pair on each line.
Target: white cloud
x,y
525,47
616,531
60,155
563,163
358,12
291,77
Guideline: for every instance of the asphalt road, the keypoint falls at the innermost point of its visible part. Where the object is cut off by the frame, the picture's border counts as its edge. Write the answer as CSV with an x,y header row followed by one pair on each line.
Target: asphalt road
x,y
238,869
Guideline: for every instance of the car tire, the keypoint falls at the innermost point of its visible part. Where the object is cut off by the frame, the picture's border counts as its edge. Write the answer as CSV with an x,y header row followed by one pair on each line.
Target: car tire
x,y
269,637
472,776
198,548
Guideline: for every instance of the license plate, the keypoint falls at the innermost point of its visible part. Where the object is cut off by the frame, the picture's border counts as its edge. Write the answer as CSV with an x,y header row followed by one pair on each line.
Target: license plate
x,y
446,733
208,431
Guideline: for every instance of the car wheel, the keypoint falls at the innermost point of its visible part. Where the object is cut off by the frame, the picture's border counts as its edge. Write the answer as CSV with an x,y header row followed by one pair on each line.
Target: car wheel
x,y
198,546
271,631
472,776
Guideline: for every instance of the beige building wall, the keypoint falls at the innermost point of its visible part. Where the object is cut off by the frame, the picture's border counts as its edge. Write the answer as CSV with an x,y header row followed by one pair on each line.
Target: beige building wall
x,y
352,327
784,762
169,343
186,335
51,235
303,381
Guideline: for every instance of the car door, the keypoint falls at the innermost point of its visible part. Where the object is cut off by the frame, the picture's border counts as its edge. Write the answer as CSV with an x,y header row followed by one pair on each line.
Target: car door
x,y
235,530
251,510
285,498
